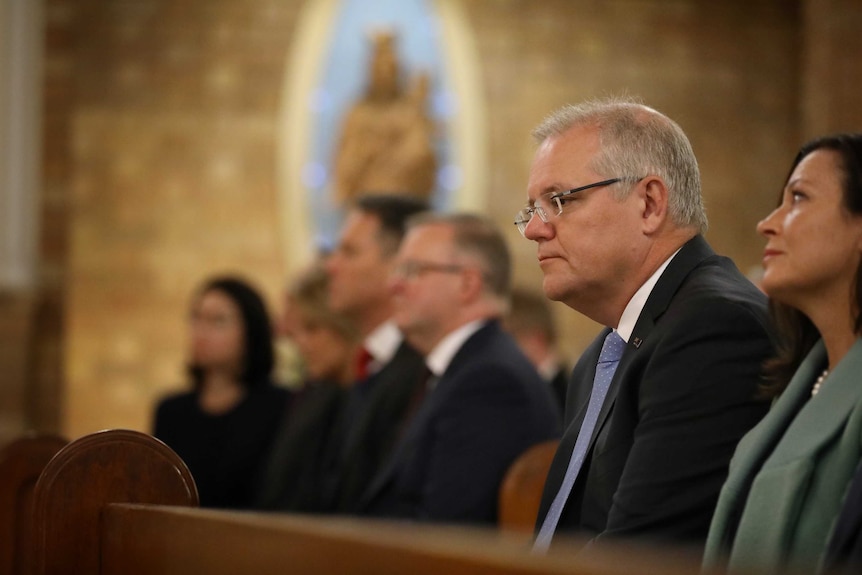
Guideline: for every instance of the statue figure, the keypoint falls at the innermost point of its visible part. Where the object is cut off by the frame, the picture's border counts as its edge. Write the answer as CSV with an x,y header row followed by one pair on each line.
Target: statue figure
x,y
386,139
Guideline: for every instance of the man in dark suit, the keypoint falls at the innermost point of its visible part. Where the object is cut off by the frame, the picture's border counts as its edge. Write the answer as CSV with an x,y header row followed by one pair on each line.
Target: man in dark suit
x,y
390,369
485,403
651,421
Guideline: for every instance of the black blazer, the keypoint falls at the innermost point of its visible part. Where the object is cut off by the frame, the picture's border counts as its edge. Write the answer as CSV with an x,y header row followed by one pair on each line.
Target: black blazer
x,y
680,400
558,384
293,475
225,453
486,409
369,436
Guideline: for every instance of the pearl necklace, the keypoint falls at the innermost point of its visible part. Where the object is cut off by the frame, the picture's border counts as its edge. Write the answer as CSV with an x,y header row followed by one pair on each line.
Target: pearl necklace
x,y
820,379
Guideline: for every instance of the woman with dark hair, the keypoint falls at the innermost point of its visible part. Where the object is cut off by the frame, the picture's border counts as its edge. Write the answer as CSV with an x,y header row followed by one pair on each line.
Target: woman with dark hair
x,y
223,428
789,475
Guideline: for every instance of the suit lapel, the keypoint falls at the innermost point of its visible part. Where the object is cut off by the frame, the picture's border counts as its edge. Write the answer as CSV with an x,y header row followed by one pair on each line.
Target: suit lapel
x,y
403,448
690,256
695,251
761,440
781,453
824,415
584,370
465,354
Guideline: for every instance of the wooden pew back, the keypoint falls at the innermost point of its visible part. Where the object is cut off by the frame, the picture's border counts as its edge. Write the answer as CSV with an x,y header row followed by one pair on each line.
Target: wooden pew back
x,y
86,475
108,504
150,540
521,490
21,462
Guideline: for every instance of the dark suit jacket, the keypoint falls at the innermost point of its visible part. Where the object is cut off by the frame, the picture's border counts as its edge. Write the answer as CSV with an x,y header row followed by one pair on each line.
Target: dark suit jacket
x,y
294,472
380,405
680,400
486,409
845,545
558,384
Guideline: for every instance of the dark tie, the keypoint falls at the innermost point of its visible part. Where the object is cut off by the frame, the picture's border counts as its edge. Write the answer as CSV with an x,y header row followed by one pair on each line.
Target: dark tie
x,y
612,351
420,389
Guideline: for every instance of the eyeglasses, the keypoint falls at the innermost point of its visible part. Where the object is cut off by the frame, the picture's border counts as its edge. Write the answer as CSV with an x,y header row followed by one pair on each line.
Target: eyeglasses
x,y
553,205
414,268
212,320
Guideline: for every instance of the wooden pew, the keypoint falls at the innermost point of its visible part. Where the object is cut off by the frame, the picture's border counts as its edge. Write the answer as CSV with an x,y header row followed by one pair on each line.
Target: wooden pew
x,y
75,486
121,502
21,462
521,490
149,540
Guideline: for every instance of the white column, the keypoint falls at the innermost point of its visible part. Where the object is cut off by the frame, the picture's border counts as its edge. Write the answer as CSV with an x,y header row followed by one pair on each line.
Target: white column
x,y
21,52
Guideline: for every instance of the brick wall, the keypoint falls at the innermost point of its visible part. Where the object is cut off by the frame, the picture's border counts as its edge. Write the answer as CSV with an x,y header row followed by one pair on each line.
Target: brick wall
x,y
171,147
831,72
725,71
160,150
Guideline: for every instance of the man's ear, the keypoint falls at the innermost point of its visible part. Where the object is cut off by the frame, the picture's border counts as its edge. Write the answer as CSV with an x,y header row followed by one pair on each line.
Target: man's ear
x,y
654,193
472,283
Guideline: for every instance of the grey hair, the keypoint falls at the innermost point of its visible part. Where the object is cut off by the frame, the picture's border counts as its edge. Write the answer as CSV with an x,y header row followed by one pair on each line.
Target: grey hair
x,y
479,238
637,141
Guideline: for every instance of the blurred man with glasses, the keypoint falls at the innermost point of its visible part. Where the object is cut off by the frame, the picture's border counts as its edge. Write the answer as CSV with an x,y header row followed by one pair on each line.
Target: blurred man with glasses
x,y
658,401
484,403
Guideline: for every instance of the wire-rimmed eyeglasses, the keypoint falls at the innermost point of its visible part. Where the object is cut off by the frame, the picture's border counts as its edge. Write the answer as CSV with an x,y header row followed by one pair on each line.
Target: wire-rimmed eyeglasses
x,y
552,205
414,268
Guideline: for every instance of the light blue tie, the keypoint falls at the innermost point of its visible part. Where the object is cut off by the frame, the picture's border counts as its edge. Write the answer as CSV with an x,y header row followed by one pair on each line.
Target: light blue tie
x,y
612,351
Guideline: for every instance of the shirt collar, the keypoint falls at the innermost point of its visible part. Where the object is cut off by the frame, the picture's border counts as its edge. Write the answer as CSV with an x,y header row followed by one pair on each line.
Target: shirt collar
x,y
549,368
441,356
636,304
382,343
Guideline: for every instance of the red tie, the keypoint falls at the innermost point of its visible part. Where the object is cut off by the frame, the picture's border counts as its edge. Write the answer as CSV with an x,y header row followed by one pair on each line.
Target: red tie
x,y
363,361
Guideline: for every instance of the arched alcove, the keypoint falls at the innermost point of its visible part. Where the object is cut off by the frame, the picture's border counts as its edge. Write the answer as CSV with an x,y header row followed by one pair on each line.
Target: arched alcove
x,y
325,73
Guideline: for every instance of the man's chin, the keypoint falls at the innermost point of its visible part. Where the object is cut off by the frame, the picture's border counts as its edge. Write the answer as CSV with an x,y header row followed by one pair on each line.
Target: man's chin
x,y
553,291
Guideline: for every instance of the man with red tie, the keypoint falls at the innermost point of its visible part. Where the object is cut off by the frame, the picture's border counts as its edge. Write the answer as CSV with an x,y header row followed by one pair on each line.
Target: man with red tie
x,y
388,369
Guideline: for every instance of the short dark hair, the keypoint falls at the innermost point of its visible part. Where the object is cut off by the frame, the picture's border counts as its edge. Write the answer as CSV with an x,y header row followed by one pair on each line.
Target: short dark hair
x,y
258,354
796,333
392,211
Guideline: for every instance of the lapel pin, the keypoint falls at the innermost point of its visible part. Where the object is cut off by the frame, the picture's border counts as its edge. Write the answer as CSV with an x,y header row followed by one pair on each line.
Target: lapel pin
x,y
637,342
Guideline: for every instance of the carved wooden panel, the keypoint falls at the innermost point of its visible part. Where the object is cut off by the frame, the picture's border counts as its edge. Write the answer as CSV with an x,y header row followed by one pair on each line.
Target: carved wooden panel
x,y
115,466
21,462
